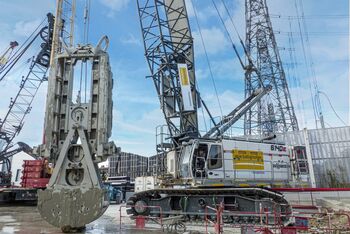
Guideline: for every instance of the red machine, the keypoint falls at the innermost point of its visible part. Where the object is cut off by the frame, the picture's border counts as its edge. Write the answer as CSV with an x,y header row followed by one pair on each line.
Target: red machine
x,y
36,175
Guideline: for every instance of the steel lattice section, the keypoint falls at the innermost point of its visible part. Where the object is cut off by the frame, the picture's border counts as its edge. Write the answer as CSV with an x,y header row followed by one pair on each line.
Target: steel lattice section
x,y
20,106
274,113
168,41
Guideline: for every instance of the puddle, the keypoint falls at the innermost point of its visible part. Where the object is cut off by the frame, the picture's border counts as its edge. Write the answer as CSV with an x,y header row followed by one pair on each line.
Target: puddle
x,y
9,230
7,219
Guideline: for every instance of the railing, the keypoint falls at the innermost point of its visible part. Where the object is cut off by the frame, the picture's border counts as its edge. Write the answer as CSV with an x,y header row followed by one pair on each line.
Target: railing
x,y
263,218
140,220
271,221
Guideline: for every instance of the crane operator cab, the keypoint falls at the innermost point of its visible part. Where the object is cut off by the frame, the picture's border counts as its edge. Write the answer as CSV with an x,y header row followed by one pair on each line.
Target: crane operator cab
x,y
201,160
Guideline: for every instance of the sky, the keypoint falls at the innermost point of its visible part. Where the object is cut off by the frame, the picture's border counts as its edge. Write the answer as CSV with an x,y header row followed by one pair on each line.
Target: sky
x,y
136,111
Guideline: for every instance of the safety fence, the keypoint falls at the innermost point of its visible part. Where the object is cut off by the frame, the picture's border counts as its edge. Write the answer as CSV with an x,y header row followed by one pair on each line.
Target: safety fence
x,y
275,222
157,222
221,219
139,221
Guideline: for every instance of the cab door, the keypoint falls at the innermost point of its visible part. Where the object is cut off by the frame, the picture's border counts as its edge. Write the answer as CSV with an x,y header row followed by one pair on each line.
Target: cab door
x,y
215,165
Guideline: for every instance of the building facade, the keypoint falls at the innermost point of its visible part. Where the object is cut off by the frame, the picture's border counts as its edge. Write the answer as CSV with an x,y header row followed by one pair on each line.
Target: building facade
x,y
330,153
133,165
128,164
157,164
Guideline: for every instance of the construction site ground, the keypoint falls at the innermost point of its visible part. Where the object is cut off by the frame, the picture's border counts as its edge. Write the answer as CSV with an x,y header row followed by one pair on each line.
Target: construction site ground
x,y
26,219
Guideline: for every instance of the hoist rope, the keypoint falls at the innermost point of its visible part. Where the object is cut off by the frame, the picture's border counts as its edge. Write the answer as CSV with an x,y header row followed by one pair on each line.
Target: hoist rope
x,y
207,58
20,51
228,34
83,65
87,27
234,26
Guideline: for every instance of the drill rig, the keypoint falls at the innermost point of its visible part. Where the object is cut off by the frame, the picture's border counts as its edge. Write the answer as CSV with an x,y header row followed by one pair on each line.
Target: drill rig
x,y
76,139
210,169
76,130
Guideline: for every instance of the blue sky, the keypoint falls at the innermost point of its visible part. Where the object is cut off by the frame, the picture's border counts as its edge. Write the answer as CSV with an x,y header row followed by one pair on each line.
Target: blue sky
x,y
136,107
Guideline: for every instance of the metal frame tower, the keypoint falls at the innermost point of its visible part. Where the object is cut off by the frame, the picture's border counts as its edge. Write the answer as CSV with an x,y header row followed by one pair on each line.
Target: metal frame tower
x,y
168,42
275,112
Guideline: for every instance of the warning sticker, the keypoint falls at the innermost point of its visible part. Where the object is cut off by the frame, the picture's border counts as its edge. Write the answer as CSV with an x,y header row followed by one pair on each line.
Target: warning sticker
x,y
185,87
184,76
248,160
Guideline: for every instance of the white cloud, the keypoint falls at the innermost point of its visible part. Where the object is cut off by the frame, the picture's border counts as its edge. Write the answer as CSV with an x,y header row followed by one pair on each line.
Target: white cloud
x,y
228,69
137,135
321,49
145,124
228,100
214,40
25,28
131,40
202,73
203,13
127,97
114,5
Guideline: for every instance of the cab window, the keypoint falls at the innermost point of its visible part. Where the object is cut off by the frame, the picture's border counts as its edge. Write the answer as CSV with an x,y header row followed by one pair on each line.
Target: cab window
x,y
199,157
215,157
201,151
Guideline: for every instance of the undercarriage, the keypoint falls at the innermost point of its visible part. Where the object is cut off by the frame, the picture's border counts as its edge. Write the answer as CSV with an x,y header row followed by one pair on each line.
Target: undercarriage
x,y
240,205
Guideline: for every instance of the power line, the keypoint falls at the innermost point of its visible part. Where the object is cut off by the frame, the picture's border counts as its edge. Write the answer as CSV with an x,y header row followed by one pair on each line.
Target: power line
x,y
295,75
316,103
309,17
229,35
320,33
248,57
330,103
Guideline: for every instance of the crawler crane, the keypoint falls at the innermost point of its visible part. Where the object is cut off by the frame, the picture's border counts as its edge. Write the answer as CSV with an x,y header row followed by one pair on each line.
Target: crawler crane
x,y
210,169
20,105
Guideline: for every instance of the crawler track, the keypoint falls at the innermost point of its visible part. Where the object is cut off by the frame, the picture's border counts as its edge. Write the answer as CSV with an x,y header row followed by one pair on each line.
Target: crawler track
x,y
240,204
